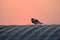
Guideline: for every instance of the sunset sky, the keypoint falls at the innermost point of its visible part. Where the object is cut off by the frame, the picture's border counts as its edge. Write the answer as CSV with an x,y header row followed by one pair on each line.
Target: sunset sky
x,y
20,12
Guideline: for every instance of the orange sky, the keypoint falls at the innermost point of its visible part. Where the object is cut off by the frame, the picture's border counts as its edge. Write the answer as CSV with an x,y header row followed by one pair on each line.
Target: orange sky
x,y
21,11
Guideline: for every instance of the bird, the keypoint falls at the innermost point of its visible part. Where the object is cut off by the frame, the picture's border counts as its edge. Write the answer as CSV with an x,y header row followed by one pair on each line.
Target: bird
x,y
36,22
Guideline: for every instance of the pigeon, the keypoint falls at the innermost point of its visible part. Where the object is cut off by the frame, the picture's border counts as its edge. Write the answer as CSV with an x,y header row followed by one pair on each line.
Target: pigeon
x,y
36,22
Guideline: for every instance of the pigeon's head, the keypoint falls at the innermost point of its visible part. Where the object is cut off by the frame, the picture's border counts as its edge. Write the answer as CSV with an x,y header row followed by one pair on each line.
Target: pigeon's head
x,y
32,19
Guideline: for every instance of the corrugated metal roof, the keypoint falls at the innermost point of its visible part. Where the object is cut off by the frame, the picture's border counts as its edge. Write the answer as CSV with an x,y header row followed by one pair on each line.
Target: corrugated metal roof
x,y
30,32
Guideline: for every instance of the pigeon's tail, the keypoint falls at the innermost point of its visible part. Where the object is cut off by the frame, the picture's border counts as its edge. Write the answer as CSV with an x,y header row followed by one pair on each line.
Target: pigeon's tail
x,y
39,23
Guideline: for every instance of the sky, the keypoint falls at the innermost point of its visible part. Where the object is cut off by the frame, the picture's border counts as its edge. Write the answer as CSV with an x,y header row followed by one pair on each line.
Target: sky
x,y
20,12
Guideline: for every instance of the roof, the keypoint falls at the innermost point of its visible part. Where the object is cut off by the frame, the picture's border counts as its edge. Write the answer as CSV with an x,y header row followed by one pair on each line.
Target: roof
x,y
30,32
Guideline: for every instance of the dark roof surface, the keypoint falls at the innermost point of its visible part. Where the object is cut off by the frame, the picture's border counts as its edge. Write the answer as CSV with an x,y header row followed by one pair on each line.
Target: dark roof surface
x,y
30,32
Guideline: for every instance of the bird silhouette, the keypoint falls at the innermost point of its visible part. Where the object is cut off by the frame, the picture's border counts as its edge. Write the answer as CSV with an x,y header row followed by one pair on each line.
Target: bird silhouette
x,y
36,22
